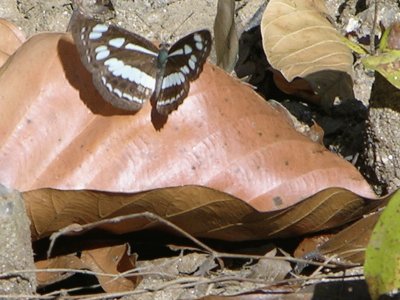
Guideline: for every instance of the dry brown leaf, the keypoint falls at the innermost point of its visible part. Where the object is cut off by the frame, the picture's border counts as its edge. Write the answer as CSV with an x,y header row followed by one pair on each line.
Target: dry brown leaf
x,y
310,244
70,261
58,132
107,260
299,40
298,87
302,45
228,218
351,242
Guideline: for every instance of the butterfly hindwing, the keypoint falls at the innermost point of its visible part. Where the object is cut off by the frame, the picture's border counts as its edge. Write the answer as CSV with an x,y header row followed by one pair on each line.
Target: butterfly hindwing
x,y
186,59
175,88
121,62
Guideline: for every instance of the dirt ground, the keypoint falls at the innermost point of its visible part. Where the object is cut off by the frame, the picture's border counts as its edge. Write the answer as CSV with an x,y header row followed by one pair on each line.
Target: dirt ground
x,y
37,16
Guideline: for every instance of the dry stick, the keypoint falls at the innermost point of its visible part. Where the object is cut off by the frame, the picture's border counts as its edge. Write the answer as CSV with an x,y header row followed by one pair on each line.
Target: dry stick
x,y
314,274
355,250
180,283
194,281
152,216
189,283
14,296
56,270
373,29
333,278
63,292
147,215
289,259
120,294
139,271
318,270
155,217
185,282
216,255
85,272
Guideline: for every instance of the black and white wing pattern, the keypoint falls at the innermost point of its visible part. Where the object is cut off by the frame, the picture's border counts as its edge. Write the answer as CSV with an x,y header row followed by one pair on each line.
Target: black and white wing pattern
x,y
128,69
121,62
185,62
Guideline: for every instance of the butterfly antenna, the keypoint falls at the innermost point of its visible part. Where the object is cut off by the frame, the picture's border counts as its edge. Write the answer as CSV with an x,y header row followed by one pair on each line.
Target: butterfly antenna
x,y
180,25
161,37
143,21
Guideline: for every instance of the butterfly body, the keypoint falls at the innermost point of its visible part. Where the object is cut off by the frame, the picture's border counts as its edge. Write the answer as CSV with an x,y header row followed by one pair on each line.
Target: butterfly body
x,y
129,70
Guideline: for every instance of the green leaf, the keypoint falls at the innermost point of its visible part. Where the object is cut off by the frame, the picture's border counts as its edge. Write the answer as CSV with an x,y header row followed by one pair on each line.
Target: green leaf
x,y
387,63
355,47
383,44
382,257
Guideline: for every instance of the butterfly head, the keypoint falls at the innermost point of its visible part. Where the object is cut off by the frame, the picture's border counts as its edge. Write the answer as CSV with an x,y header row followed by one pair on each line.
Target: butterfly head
x,y
164,46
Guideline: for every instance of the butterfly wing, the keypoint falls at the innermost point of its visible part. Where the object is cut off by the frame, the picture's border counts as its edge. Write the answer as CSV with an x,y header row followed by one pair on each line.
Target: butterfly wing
x,y
122,63
186,59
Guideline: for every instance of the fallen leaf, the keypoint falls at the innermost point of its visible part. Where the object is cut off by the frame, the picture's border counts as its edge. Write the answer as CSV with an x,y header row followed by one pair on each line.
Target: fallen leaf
x,y
107,260
309,245
382,263
388,64
387,61
300,42
228,218
47,277
58,132
350,243
112,260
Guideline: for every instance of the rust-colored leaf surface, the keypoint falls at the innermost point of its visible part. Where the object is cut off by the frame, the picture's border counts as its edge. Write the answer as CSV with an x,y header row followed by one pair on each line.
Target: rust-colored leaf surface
x,y
56,131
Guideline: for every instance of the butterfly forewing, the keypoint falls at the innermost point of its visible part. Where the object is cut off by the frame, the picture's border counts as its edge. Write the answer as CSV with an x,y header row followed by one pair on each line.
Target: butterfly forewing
x,y
121,62
186,59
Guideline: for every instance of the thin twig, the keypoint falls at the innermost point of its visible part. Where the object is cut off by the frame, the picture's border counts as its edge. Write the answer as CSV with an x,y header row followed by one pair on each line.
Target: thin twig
x,y
373,29
148,215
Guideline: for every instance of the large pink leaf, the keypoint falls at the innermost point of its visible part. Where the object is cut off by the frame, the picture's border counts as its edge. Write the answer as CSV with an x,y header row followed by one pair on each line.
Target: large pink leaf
x,y
56,131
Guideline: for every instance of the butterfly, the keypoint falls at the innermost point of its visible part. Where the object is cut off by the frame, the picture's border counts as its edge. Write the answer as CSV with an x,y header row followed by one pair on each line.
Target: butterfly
x,y
128,70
